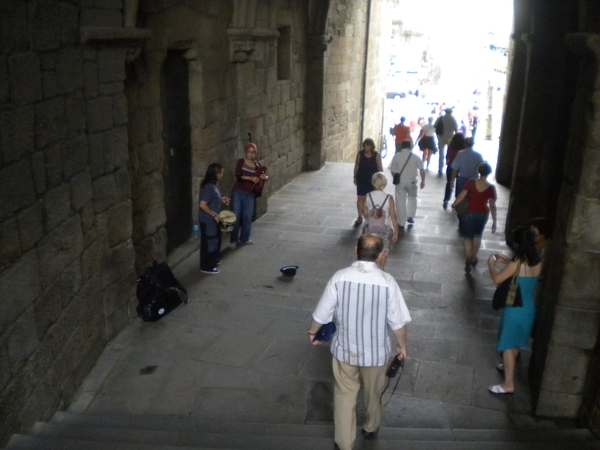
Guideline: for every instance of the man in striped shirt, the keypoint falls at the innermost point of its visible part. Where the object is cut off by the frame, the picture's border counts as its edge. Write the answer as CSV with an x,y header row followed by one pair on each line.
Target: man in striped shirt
x,y
366,304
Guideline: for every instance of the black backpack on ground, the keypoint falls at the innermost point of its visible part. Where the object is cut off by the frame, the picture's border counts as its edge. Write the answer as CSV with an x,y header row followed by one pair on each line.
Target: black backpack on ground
x,y
158,292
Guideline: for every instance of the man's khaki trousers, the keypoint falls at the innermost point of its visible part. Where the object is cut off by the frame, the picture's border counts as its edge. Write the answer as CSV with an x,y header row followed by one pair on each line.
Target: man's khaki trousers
x,y
347,385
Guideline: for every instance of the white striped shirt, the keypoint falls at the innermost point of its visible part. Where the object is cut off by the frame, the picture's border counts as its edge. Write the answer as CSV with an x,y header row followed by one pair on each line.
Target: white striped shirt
x,y
365,303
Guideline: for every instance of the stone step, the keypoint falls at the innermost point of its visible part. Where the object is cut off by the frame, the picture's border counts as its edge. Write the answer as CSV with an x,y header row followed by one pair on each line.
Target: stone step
x,y
186,433
27,442
171,424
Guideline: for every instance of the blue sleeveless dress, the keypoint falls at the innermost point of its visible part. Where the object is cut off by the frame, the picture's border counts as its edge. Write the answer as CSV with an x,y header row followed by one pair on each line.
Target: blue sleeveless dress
x,y
516,323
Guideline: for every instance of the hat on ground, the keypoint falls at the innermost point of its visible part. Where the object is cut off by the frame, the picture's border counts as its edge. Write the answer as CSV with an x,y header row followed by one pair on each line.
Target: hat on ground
x,y
289,271
227,221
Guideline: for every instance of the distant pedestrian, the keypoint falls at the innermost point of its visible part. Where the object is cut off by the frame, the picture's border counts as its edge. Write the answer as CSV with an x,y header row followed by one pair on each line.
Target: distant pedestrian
x,y
368,163
449,128
405,168
474,124
367,307
209,220
456,144
541,227
387,222
401,133
465,166
247,174
426,140
482,203
463,128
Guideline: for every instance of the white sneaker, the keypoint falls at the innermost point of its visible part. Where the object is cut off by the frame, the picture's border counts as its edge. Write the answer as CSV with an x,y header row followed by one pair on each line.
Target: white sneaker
x,y
248,242
211,272
233,245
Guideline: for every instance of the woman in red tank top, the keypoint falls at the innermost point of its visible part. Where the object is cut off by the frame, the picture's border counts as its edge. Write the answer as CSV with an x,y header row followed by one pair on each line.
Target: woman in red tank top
x,y
482,202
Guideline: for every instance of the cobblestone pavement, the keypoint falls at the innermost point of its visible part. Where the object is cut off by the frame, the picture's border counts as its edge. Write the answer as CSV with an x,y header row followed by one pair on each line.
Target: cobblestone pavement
x,y
239,350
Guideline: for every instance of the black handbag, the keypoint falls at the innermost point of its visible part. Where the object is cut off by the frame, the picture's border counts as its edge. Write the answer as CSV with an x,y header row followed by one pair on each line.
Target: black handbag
x,y
508,293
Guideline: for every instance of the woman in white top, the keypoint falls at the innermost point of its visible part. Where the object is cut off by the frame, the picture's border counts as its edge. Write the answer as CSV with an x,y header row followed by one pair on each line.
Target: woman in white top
x,y
378,199
426,140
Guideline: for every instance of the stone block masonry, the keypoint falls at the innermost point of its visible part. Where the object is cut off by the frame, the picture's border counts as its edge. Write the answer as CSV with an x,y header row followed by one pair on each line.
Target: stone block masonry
x,y
66,253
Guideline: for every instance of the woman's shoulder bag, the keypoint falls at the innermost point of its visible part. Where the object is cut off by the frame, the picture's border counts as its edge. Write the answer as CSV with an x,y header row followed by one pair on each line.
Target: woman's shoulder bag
x,y
508,293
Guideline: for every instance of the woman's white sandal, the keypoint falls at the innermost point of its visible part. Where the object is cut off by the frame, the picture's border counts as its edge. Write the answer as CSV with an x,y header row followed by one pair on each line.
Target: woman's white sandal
x,y
498,389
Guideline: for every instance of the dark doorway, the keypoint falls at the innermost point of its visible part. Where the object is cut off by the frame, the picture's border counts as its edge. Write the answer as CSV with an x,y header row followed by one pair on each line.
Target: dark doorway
x,y
178,159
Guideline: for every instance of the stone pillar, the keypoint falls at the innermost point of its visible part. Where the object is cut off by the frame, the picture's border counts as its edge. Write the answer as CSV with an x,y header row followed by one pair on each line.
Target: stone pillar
x,y
541,137
515,88
488,119
570,302
317,45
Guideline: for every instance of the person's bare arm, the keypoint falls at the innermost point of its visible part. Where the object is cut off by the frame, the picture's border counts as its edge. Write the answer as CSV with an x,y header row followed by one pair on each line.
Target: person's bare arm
x,y
492,203
460,198
453,176
314,329
204,207
401,338
356,165
499,276
394,218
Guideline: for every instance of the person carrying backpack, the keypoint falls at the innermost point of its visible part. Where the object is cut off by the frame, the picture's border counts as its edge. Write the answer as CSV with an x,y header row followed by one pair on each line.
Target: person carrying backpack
x,y
380,211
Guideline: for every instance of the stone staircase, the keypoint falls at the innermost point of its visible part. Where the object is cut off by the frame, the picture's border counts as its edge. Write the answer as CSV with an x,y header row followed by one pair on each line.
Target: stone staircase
x,y
67,431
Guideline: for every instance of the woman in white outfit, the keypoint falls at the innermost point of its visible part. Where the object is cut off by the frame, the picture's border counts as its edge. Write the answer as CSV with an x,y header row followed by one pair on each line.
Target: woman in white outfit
x,y
380,199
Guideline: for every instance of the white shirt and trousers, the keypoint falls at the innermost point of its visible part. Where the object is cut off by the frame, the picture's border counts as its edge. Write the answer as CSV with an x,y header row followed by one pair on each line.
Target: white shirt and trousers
x,y
365,303
406,190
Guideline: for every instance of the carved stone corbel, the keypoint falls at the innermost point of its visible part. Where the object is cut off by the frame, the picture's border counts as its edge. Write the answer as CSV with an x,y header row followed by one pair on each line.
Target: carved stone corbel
x,y
242,41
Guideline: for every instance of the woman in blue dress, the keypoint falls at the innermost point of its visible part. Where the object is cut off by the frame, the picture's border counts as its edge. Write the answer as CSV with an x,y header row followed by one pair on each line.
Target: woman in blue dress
x,y
517,322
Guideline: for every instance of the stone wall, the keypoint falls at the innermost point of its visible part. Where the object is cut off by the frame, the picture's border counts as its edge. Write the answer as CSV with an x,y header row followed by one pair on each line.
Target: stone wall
x,y
353,90
343,84
571,302
552,164
66,254
380,32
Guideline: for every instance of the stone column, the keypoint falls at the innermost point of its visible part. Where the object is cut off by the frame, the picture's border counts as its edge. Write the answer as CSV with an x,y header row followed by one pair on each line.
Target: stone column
x,y
569,373
515,87
540,143
317,45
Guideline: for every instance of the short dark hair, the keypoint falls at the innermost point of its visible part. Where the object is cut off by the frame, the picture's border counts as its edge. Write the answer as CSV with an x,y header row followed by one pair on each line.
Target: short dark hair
x,y
370,142
369,247
484,169
406,144
543,225
402,119
469,142
212,171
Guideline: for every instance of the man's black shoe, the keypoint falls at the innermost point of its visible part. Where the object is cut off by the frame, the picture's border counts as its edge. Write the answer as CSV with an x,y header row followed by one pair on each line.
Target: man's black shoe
x,y
368,434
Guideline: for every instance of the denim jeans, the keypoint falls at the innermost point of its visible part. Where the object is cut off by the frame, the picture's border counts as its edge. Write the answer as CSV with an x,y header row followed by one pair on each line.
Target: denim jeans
x,y
243,208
